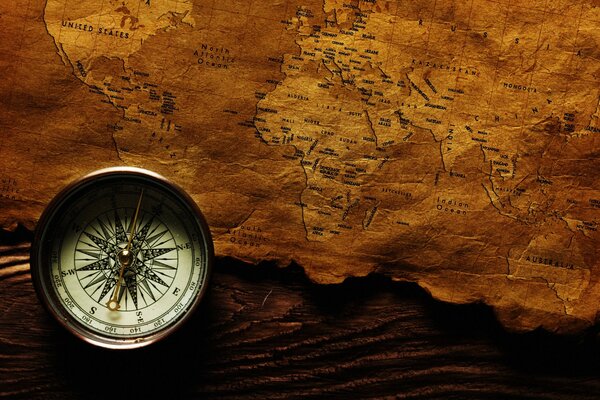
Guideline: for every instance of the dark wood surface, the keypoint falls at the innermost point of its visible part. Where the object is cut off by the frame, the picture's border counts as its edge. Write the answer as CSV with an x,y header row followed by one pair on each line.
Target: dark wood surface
x,y
265,332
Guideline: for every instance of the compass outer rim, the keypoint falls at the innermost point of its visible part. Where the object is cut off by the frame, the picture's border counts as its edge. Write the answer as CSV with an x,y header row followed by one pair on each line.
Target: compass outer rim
x,y
40,254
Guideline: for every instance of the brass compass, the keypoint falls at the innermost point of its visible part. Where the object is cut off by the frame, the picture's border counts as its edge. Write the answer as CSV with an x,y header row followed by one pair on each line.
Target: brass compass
x,y
121,257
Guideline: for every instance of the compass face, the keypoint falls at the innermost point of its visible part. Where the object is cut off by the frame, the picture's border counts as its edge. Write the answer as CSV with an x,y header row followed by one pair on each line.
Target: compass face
x,y
121,257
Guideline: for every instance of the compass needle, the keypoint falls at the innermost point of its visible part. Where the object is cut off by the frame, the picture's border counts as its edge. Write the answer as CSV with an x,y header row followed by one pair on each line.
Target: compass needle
x,y
126,258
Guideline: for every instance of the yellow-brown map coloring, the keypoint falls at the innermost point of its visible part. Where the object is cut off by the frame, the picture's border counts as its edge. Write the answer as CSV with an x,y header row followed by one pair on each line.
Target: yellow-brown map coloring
x,y
454,144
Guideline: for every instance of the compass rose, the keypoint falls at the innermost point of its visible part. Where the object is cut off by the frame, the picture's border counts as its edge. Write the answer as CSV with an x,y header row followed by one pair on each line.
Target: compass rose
x,y
148,274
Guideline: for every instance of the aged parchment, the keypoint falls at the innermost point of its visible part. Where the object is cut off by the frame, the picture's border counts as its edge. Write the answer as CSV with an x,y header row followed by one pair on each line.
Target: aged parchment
x,y
453,144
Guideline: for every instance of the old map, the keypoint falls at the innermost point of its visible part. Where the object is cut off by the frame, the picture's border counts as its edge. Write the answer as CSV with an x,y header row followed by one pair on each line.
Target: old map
x,y
455,144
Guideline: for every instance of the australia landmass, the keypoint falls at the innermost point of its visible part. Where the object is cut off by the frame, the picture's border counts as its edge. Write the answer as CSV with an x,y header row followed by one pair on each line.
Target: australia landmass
x,y
452,145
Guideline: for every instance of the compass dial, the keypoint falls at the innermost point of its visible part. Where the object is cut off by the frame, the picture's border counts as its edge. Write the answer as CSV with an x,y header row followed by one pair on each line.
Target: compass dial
x,y
121,257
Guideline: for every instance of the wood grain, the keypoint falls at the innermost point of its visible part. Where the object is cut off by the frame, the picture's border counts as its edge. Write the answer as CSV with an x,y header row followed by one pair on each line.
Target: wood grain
x,y
265,332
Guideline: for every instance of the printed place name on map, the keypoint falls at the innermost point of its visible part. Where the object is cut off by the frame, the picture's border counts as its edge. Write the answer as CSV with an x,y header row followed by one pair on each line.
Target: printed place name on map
x,y
100,31
214,56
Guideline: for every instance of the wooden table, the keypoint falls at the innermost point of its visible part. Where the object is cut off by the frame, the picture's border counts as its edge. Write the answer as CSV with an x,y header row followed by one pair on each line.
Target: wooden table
x,y
265,332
